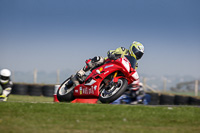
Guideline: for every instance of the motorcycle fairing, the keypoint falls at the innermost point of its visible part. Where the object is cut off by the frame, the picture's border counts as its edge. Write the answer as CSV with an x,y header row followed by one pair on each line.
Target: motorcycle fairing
x,y
90,88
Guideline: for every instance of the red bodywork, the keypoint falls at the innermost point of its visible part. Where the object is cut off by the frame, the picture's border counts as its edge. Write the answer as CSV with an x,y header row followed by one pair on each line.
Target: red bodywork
x,y
90,88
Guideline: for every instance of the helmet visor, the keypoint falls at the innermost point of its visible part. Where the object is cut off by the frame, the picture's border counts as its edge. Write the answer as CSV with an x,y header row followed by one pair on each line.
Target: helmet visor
x,y
137,53
4,78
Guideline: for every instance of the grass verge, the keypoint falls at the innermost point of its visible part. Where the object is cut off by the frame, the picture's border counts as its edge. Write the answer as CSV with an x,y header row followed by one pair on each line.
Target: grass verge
x,y
42,117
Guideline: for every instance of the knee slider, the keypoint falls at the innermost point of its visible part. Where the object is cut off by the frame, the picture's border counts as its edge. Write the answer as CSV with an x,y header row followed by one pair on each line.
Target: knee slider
x,y
98,60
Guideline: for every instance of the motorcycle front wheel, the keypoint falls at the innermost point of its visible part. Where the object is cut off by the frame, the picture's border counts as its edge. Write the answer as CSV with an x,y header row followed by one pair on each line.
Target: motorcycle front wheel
x,y
110,94
65,91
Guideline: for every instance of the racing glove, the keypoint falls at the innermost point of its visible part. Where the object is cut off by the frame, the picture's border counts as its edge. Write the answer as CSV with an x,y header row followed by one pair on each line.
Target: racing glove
x,y
114,56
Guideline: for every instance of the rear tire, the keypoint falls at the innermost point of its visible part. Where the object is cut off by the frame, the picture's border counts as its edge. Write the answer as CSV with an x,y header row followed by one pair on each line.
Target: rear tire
x,y
65,91
116,92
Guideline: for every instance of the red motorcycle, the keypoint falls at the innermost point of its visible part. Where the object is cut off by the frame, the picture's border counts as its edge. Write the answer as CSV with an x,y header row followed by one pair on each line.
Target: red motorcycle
x,y
106,83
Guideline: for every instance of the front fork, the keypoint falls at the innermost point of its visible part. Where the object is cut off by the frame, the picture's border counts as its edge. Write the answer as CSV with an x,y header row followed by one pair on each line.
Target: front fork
x,y
114,81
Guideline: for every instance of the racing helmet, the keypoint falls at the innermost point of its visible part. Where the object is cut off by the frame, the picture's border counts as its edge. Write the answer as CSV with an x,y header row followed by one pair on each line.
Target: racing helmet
x,y
136,50
5,75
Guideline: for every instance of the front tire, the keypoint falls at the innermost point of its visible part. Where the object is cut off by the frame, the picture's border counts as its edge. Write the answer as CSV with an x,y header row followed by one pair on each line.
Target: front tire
x,y
65,91
114,92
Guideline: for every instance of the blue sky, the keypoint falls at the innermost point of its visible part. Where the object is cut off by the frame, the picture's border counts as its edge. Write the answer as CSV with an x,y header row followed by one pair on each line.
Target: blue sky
x,y
62,34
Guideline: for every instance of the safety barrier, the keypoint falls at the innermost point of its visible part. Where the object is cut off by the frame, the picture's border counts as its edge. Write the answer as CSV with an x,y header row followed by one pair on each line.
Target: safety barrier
x,y
51,91
33,89
20,89
171,99
48,90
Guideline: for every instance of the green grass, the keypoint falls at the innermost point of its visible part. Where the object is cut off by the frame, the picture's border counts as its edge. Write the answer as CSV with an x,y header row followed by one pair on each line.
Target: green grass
x,y
44,116
24,98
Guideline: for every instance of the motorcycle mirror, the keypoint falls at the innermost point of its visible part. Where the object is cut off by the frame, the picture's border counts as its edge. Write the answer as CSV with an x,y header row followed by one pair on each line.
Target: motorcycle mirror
x,y
98,71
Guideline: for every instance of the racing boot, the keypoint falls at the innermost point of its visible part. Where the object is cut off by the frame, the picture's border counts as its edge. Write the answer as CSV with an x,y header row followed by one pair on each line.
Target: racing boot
x,y
79,77
3,98
74,80
90,64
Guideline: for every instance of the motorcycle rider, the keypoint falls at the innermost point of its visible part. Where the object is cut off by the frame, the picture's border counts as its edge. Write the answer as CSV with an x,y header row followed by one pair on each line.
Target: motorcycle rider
x,y
136,50
137,93
5,84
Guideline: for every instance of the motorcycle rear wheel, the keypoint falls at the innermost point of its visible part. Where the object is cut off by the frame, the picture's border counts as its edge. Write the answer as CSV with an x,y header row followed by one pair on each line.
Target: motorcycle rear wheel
x,y
65,91
114,92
